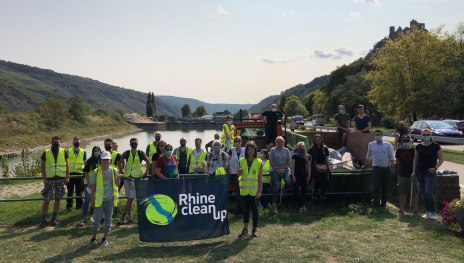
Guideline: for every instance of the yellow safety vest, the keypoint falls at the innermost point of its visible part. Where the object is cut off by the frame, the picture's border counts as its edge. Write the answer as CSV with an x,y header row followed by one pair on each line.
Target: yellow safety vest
x,y
189,152
228,130
266,176
76,163
249,180
55,168
99,191
151,150
194,163
133,166
113,159
220,171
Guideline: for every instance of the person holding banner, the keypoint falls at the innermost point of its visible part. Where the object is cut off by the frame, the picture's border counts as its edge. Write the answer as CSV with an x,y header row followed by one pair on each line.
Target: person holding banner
x,y
251,186
166,165
159,152
406,182
104,195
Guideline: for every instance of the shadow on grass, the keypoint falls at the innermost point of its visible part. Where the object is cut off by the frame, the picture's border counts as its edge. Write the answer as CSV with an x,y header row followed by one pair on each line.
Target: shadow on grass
x,y
215,251
69,256
70,232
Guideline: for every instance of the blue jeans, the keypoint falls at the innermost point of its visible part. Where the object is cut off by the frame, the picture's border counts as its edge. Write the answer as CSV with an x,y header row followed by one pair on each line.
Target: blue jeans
x,y
275,186
427,185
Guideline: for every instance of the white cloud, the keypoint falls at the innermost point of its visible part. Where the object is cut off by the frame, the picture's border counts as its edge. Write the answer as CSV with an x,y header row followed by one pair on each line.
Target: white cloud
x,y
354,14
284,58
286,14
222,11
335,54
372,2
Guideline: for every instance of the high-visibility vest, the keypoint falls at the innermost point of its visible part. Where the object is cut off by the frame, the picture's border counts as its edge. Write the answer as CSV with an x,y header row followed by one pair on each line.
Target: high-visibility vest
x,y
249,180
114,164
220,171
133,166
266,167
194,163
55,168
227,130
99,187
189,152
76,163
151,150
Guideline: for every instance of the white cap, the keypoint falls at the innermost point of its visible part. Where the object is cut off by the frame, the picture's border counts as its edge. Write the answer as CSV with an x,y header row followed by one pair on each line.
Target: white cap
x,y
105,155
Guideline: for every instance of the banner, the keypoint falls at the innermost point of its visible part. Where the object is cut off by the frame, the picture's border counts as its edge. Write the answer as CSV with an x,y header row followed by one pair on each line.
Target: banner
x,y
189,208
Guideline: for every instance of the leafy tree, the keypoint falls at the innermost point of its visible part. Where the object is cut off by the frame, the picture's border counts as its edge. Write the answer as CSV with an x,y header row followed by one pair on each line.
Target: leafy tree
x,y
185,110
410,75
78,108
281,104
153,105
53,112
149,105
226,111
244,113
308,102
171,119
199,111
319,100
161,118
294,106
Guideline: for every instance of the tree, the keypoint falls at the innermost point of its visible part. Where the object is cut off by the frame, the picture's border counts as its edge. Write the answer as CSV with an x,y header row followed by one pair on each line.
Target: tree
x,y
153,105
281,104
199,111
185,110
78,108
226,111
149,106
319,100
244,114
53,112
308,102
294,106
410,75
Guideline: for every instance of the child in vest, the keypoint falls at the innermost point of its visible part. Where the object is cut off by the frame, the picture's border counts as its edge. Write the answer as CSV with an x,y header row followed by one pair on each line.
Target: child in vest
x,y
104,195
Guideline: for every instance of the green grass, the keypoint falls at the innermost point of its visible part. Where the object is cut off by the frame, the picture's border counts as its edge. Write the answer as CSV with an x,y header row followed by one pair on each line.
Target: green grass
x,y
335,232
454,156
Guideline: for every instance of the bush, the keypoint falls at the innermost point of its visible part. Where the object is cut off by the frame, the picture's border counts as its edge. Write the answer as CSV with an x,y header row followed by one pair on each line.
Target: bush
x,y
388,123
53,112
102,112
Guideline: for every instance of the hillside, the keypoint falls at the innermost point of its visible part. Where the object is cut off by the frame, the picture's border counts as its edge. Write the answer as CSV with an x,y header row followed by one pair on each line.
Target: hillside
x,y
23,87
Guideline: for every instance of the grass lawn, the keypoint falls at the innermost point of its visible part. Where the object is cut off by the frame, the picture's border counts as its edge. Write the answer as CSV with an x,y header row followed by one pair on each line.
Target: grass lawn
x,y
332,232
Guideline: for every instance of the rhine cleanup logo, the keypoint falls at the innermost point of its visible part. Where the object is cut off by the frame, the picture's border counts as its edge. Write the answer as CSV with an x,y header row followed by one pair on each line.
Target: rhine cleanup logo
x,y
160,209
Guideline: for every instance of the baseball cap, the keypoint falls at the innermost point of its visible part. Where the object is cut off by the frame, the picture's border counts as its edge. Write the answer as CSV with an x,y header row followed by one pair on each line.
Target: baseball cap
x,y
105,155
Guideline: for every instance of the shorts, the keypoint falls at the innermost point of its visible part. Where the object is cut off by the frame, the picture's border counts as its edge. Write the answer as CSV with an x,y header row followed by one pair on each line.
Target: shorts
x,y
404,185
129,188
55,190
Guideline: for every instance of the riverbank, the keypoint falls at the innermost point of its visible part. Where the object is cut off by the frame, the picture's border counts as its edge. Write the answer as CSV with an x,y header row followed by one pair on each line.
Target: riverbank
x,y
25,131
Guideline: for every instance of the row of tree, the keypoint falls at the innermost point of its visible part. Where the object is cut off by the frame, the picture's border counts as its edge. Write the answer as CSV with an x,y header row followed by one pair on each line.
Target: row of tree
x,y
150,105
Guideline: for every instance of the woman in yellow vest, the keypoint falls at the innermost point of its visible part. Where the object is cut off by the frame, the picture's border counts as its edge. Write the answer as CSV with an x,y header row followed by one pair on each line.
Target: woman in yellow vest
x,y
91,164
104,195
251,185
264,201
228,131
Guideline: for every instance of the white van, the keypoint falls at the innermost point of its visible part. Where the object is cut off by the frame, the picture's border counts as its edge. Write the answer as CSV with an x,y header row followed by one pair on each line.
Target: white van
x,y
318,120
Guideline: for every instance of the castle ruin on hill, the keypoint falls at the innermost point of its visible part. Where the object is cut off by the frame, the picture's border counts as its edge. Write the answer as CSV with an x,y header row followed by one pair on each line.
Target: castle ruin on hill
x,y
413,24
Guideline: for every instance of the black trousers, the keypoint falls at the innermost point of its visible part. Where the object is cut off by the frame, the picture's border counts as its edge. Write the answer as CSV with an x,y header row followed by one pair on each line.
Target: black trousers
x,y
380,176
238,199
300,188
78,185
321,181
249,203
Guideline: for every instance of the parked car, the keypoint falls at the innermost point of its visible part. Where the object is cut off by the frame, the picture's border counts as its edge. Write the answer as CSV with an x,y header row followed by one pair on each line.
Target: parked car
x,y
457,124
318,119
438,128
298,119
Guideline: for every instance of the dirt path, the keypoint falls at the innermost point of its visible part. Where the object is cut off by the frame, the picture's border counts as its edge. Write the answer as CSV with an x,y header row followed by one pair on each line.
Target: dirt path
x,y
20,190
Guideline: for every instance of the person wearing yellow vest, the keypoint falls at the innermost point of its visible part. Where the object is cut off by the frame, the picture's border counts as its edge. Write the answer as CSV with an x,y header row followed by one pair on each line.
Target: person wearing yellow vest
x,y
152,149
264,201
197,161
251,186
131,162
235,154
217,162
77,157
228,132
91,164
182,154
55,173
104,195
115,155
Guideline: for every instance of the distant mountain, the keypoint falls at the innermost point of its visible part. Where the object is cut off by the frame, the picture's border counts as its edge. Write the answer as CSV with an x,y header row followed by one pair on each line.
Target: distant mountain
x,y
299,91
22,87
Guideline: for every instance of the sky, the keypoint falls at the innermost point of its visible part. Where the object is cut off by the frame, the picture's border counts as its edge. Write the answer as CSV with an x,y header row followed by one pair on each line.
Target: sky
x,y
236,51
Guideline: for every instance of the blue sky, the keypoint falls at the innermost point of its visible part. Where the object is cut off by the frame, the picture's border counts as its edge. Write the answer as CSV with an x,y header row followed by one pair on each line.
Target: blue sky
x,y
215,51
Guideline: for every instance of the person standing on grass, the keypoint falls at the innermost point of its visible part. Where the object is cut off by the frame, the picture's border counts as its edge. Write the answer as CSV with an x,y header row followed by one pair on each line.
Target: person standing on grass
x,y
104,195
319,167
362,121
251,186
55,174
382,157
131,161
91,164
428,157
404,159
301,167
279,158
235,154
77,157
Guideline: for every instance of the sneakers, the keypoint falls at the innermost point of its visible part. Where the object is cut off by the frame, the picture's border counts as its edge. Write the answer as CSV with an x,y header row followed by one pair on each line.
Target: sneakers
x,y
91,219
104,242
274,209
93,242
254,233
433,216
54,222
269,206
44,223
427,215
122,220
303,209
244,232
83,222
